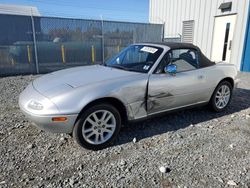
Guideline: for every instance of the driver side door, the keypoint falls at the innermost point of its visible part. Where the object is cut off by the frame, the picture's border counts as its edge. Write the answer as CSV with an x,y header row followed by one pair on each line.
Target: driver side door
x,y
186,87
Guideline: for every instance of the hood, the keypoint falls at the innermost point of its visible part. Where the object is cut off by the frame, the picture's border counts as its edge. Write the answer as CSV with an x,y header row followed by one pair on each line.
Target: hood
x,y
60,81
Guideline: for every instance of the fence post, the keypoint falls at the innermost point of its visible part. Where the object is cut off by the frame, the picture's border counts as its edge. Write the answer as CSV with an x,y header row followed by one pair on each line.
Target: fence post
x,y
35,46
93,54
102,41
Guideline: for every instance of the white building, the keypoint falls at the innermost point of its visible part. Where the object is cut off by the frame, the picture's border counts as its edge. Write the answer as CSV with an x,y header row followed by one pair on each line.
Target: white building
x,y
19,10
219,27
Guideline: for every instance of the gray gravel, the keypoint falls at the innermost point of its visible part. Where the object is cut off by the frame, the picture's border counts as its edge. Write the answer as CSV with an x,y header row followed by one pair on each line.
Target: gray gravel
x,y
196,148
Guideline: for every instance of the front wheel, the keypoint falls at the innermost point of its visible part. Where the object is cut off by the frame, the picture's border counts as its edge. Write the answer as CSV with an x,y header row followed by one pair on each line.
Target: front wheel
x,y
221,96
97,127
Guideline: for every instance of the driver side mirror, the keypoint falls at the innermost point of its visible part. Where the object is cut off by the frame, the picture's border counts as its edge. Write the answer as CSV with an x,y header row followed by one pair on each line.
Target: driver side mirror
x,y
118,60
171,69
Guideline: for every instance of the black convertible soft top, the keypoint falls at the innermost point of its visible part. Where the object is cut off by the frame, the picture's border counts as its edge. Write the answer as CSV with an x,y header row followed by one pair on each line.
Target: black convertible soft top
x,y
203,60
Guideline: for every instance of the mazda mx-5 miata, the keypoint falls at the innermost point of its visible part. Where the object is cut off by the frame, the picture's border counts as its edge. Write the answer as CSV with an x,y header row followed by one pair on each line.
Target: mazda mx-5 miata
x,y
145,79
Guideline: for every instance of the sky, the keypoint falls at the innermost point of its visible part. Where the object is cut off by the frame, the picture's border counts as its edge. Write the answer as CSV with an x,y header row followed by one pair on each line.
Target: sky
x,y
120,10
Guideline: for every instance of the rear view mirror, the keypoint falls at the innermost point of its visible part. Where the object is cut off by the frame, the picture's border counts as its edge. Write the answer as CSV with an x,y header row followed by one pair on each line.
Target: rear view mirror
x,y
171,69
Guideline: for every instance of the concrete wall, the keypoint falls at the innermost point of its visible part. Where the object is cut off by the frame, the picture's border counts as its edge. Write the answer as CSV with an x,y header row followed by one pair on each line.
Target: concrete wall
x,y
203,12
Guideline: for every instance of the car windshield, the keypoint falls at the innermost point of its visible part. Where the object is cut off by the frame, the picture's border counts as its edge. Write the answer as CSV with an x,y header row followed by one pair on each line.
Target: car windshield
x,y
138,58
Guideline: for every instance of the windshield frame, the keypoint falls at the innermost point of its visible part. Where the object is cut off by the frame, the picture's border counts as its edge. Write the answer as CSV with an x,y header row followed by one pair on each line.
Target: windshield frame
x,y
160,50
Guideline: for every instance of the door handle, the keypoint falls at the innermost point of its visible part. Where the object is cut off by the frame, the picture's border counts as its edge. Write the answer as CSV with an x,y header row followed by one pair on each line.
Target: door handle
x,y
230,45
200,77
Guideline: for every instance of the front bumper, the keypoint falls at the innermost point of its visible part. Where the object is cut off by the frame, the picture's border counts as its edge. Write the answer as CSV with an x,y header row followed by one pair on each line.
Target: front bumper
x,y
43,118
45,122
236,83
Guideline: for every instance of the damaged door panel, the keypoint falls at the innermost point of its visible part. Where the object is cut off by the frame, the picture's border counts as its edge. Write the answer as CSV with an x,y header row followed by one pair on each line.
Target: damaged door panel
x,y
166,91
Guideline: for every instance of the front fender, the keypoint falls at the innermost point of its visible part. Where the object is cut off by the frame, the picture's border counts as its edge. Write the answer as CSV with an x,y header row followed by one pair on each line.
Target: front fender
x,y
129,92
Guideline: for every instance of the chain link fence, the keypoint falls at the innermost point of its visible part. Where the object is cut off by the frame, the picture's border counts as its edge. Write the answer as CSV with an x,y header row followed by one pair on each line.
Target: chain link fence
x,y
31,45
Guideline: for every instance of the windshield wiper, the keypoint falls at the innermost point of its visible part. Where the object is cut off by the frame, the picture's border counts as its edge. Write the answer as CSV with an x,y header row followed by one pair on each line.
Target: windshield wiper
x,y
119,67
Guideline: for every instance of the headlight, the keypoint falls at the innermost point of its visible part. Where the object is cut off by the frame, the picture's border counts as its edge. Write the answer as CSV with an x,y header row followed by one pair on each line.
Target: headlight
x,y
35,105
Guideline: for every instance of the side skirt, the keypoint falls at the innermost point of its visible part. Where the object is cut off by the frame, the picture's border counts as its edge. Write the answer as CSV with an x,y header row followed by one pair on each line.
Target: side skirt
x,y
162,113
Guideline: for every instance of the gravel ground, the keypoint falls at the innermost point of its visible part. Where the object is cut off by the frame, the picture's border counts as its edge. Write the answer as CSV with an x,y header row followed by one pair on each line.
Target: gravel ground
x,y
197,148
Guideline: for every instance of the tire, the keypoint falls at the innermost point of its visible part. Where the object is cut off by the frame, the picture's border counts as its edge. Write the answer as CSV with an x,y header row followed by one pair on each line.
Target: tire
x,y
215,104
97,127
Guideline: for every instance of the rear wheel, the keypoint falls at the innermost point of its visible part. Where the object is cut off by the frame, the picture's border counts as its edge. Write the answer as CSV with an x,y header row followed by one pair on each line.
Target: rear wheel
x,y
97,127
221,96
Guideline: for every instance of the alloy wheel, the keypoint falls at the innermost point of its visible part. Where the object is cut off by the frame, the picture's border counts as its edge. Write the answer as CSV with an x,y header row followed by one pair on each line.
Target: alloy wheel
x,y
222,96
99,127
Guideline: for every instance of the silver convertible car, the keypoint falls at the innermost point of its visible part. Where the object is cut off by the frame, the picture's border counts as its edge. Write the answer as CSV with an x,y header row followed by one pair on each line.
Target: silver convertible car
x,y
93,102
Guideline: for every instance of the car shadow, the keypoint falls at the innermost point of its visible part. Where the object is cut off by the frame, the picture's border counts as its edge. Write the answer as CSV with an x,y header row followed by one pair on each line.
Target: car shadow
x,y
181,119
